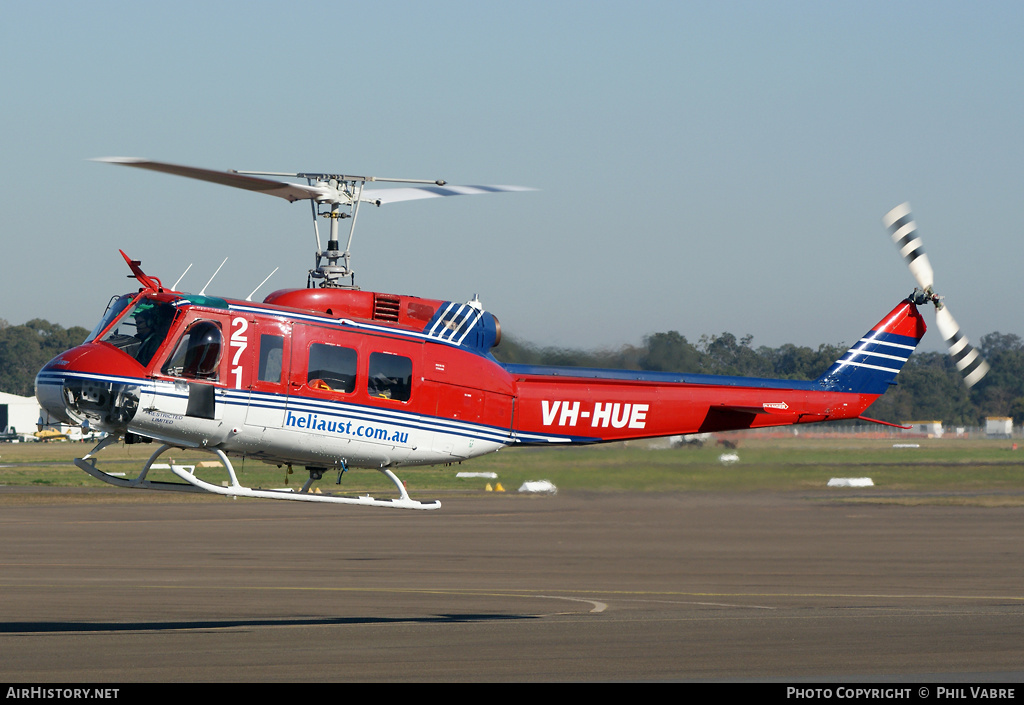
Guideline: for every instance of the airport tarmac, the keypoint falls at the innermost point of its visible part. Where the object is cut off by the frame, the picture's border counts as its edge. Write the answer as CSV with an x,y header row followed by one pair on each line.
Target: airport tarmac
x,y
108,586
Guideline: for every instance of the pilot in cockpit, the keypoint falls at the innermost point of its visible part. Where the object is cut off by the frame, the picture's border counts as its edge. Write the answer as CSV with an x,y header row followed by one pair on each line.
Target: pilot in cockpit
x,y
152,326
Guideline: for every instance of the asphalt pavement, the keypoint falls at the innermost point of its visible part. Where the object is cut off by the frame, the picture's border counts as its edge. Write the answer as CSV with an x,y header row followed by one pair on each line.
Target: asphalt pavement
x,y
108,586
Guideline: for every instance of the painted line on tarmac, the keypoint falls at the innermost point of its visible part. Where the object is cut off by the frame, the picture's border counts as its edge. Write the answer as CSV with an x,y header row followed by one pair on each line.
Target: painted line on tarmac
x,y
806,595
506,592
598,606
706,604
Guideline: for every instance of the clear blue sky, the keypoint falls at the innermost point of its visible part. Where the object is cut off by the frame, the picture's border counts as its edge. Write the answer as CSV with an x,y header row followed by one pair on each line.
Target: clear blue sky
x,y
702,166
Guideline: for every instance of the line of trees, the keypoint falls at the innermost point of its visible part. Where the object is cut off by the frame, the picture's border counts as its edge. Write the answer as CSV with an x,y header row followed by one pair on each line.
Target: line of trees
x,y
929,387
26,348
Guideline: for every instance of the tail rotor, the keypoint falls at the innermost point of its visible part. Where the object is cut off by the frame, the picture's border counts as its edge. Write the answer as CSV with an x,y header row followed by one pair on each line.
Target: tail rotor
x,y
903,230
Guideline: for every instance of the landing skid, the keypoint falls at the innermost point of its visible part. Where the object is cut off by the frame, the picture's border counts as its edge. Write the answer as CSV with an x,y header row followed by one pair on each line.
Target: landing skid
x,y
234,489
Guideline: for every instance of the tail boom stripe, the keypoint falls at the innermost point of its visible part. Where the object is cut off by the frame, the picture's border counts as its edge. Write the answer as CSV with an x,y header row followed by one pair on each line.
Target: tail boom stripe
x,y
894,370
854,352
876,341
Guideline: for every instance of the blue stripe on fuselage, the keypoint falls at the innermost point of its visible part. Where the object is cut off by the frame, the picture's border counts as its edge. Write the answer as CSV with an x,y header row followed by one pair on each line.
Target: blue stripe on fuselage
x,y
657,377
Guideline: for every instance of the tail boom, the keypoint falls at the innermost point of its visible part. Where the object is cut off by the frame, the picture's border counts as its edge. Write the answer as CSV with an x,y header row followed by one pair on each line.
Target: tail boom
x,y
579,405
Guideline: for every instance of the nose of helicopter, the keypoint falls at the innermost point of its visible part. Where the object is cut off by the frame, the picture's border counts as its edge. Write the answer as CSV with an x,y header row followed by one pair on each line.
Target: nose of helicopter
x,y
71,391
49,394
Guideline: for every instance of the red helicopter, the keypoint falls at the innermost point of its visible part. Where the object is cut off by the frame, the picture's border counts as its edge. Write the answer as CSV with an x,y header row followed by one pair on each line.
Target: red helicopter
x,y
331,377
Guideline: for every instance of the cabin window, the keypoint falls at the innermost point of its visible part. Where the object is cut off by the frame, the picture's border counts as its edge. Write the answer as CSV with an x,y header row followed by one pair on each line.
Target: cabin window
x,y
197,355
390,376
114,309
331,368
142,330
271,358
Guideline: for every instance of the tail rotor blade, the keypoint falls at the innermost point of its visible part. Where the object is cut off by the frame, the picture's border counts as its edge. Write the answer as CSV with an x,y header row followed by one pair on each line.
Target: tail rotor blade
x,y
968,360
903,230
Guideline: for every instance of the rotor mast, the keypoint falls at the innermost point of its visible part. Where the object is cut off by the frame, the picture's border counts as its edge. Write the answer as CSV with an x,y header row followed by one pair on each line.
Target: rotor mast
x,y
336,192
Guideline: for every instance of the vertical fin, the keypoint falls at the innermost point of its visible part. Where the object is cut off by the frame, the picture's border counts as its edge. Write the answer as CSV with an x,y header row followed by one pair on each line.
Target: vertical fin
x,y
873,362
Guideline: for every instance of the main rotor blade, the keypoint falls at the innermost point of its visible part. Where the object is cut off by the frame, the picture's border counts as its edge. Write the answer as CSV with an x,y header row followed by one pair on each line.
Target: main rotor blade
x,y
282,189
968,360
380,196
903,230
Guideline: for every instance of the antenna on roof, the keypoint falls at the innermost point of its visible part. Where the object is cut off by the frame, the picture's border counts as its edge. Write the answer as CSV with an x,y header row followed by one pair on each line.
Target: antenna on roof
x,y
203,292
175,287
249,297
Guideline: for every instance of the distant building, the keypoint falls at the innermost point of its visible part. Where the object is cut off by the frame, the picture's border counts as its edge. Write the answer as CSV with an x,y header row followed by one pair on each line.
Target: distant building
x,y
998,426
931,429
21,419
19,414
